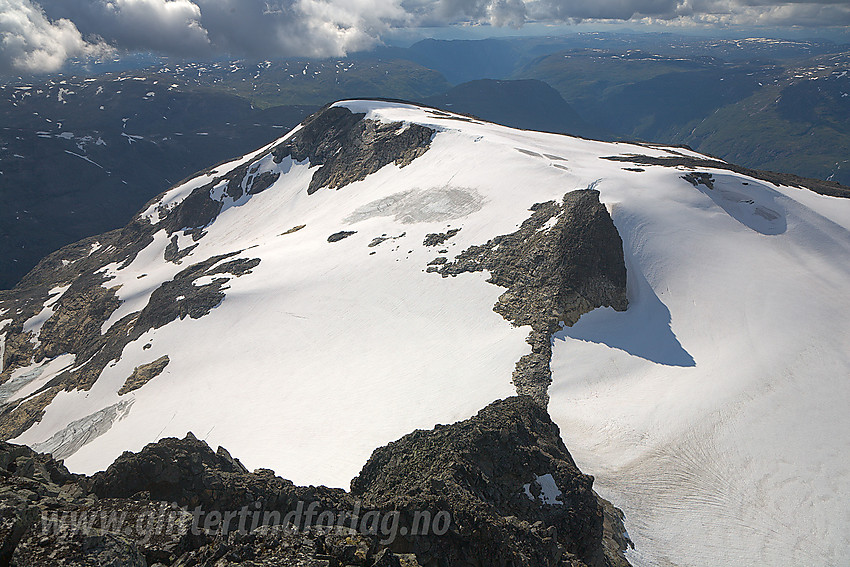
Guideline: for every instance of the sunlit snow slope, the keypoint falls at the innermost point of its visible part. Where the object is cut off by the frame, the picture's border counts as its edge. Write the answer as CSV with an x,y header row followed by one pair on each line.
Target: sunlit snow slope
x,y
713,410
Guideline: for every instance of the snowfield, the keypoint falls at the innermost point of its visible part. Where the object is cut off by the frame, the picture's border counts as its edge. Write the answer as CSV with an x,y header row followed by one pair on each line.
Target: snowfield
x,y
713,411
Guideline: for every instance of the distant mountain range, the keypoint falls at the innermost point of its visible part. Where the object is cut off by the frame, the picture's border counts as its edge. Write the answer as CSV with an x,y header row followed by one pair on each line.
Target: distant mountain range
x,y
525,103
69,169
790,115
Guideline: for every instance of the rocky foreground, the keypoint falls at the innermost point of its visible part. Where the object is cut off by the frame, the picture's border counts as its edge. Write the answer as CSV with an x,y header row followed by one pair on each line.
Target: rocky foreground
x,y
497,489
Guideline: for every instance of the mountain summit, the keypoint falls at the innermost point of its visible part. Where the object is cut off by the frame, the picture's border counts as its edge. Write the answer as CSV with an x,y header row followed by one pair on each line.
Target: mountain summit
x,y
386,267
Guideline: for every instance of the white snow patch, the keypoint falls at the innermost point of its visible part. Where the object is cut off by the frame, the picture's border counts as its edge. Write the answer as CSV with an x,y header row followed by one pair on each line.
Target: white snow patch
x,y
33,324
549,491
206,280
134,292
27,380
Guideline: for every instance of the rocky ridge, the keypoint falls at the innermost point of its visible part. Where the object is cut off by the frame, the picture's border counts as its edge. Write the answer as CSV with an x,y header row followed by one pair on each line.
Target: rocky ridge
x,y
565,260
497,489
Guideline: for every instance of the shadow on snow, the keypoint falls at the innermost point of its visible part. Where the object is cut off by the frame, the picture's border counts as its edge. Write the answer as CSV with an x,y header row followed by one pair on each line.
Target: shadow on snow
x,y
643,330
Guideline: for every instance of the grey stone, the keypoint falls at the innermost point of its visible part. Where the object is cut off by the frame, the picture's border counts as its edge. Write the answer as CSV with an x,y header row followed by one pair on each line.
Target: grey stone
x,y
552,276
337,236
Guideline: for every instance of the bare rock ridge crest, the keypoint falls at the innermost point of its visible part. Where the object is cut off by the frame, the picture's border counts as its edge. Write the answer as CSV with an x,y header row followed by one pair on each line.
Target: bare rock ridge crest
x,y
490,473
553,276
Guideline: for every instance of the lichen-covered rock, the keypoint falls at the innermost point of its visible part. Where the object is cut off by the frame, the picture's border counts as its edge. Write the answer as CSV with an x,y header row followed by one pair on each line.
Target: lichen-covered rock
x,y
30,484
143,374
105,549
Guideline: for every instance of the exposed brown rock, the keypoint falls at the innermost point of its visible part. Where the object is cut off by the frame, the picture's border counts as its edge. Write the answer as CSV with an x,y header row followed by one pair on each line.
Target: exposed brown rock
x,y
293,229
348,147
17,417
143,374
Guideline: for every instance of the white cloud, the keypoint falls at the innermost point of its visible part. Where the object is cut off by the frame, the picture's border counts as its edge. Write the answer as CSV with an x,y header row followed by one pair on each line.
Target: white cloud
x,y
31,42
42,40
168,26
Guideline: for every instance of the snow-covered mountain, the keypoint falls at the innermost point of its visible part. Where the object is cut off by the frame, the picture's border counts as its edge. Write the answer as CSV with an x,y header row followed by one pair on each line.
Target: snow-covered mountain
x,y
386,267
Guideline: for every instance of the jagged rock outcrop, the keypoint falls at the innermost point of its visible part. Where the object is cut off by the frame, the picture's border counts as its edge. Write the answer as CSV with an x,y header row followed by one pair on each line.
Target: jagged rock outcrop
x,y
188,472
32,483
514,492
553,275
348,147
143,374
337,236
437,238
497,489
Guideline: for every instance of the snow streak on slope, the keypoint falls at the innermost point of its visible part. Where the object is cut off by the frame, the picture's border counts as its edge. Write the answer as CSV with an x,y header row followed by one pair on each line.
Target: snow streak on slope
x,y
711,411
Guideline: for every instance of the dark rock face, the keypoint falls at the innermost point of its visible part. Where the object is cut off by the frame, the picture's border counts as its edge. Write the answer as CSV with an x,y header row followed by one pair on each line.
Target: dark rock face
x,y
173,253
552,275
697,178
437,238
180,297
337,236
348,147
497,489
486,471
